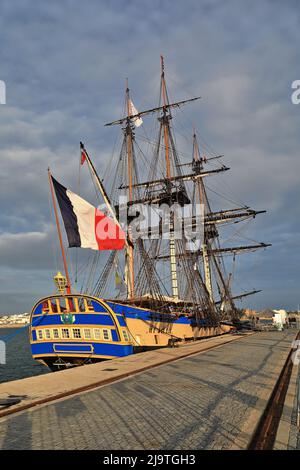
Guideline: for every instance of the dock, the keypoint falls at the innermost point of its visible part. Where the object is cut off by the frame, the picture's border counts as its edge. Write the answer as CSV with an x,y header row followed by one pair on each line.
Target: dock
x,y
210,394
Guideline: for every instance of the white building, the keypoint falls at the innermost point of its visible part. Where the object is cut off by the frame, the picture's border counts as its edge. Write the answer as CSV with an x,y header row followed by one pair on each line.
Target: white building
x,y
280,318
22,319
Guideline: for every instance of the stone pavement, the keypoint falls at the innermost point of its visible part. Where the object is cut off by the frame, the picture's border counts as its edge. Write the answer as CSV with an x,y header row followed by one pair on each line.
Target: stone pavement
x,y
44,388
205,401
288,431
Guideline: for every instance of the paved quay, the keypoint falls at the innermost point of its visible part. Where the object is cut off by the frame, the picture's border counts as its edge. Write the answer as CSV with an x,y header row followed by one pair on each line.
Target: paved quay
x,y
209,400
46,387
288,433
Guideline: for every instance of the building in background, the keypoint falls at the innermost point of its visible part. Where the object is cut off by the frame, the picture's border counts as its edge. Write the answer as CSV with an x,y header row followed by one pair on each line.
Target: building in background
x,y
17,319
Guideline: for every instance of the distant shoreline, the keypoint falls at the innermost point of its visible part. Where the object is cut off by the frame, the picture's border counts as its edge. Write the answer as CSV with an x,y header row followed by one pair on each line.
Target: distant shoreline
x,y
14,325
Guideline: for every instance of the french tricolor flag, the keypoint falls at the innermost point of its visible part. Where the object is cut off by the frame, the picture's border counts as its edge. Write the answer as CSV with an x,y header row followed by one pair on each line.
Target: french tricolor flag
x,y
87,226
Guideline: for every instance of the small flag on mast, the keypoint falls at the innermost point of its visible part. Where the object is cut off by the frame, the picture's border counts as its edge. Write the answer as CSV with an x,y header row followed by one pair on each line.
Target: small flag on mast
x,y
133,111
83,154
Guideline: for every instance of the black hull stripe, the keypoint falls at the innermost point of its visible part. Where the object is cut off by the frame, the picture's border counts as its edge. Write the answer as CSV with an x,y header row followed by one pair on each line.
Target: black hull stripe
x,y
68,214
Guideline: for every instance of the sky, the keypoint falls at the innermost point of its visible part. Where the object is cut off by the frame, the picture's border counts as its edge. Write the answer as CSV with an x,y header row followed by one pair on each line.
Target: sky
x,y
64,64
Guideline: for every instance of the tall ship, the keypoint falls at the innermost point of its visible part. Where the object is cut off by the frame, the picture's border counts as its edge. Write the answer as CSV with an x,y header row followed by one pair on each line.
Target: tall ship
x,y
154,270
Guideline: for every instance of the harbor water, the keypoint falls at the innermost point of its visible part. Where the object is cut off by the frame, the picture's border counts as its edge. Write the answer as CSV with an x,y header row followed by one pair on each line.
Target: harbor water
x,y
19,363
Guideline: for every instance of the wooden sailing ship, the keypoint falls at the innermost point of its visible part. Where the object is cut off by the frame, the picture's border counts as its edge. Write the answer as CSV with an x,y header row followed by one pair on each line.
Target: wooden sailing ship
x,y
170,276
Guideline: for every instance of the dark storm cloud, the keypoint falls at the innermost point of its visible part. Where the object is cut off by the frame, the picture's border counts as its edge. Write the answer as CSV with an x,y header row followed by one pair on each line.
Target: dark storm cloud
x,y
65,64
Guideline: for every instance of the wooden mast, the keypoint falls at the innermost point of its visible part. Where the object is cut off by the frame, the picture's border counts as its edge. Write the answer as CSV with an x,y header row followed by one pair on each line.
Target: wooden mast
x,y
201,194
207,252
68,287
165,124
165,118
129,141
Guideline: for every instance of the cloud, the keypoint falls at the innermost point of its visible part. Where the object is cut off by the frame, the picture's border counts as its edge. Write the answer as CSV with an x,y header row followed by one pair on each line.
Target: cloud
x,y
25,250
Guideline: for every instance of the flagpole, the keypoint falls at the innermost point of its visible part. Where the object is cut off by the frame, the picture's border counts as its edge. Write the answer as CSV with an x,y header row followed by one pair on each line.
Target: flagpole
x,y
102,189
100,185
68,287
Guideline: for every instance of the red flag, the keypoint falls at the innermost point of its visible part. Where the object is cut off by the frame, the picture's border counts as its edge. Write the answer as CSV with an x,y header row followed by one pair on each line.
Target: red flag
x,y
109,235
83,156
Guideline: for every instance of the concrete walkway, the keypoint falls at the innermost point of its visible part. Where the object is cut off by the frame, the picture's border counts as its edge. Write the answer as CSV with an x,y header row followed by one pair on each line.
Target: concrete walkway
x,y
288,433
46,387
210,400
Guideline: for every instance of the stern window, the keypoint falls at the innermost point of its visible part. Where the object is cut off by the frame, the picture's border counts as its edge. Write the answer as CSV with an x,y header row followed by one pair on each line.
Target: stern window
x,y
65,333
55,333
87,333
47,334
76,333
40,334
97,333
106,335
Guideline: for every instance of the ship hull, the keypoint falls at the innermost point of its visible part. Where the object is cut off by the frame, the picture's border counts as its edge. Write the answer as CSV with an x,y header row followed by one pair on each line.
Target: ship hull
x,y
73,330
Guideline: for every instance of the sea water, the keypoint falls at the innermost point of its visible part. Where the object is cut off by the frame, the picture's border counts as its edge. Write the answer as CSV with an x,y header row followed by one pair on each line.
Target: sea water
x,y
19,363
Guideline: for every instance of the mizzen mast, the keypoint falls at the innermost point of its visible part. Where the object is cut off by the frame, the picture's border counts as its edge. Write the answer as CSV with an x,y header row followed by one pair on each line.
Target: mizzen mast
x,y
211,252
164,120
197,167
